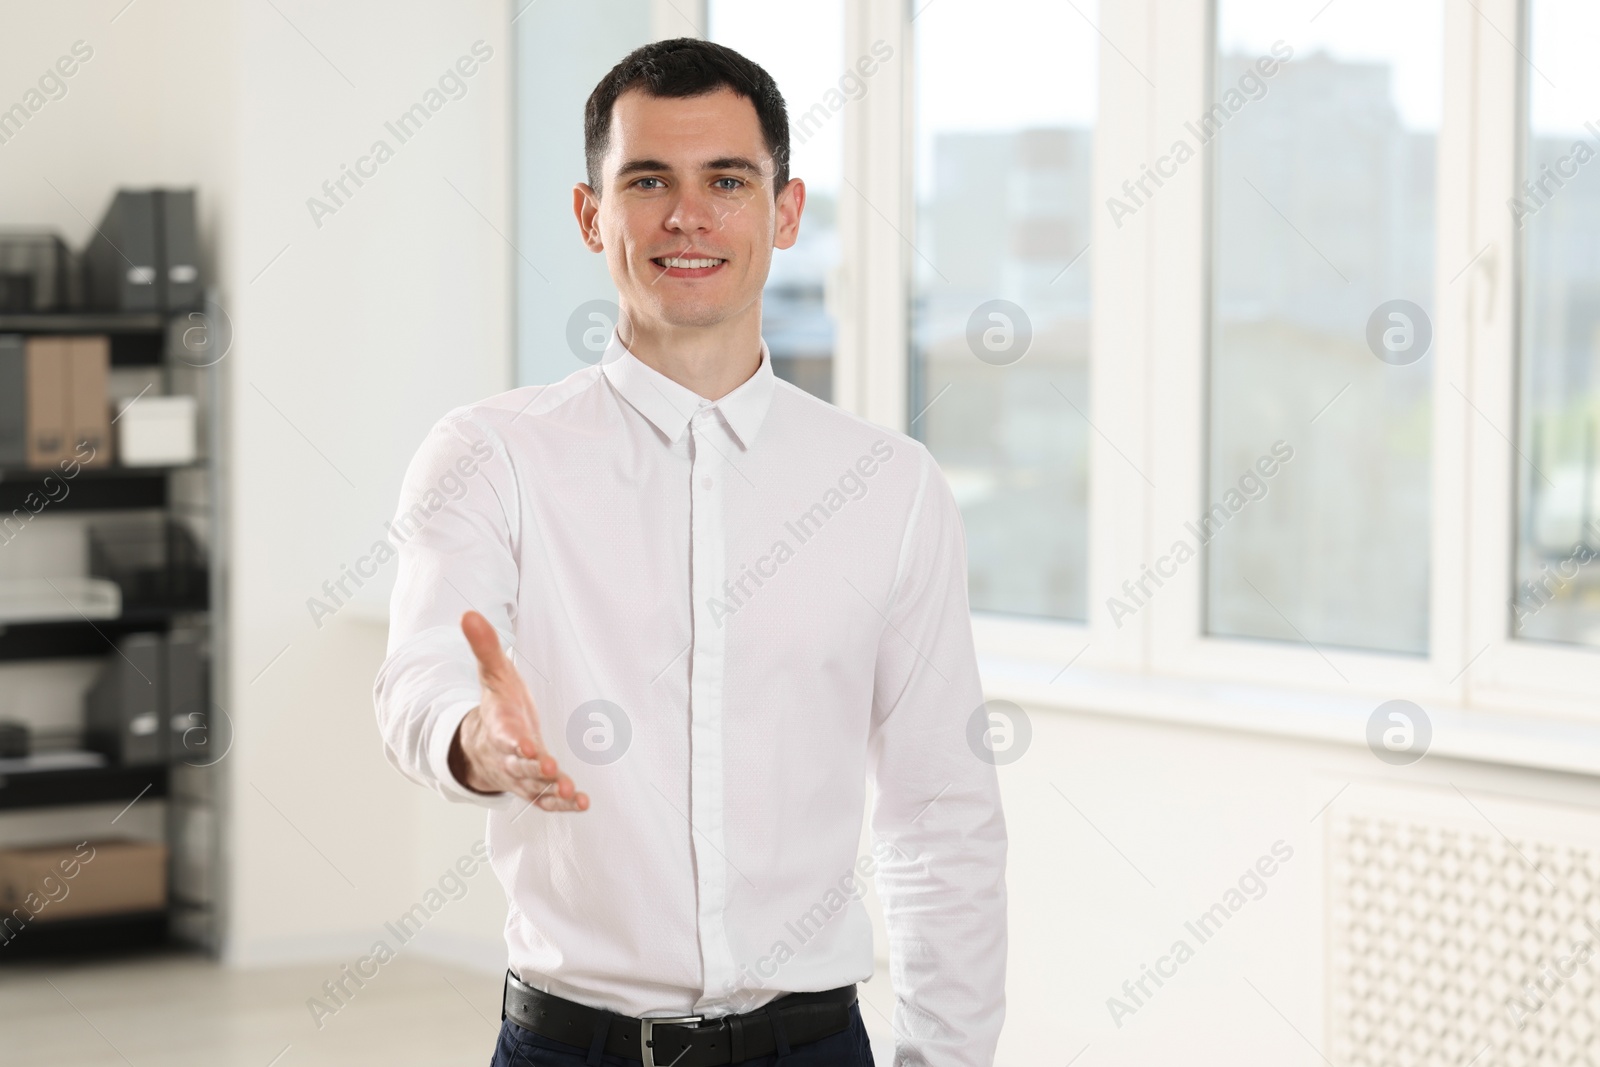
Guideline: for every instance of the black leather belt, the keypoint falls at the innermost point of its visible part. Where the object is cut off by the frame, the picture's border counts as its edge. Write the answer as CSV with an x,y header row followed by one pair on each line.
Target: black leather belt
x,y
681,1040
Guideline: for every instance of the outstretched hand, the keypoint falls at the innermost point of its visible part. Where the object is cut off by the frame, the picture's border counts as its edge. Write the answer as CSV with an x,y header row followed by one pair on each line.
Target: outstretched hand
x,y
499,747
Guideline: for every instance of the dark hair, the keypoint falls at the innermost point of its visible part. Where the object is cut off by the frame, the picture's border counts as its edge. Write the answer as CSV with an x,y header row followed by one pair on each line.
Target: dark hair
x,y
684,67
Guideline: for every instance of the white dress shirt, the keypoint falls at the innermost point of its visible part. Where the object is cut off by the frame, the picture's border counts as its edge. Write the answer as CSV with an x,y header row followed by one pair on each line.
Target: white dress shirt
x,y
730,615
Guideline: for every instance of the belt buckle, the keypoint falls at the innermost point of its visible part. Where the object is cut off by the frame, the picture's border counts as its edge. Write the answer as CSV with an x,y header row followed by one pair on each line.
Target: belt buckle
x,y
646,1028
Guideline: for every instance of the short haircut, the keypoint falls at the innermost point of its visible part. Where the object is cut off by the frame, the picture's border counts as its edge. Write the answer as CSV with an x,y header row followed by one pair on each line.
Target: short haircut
x,y
685,67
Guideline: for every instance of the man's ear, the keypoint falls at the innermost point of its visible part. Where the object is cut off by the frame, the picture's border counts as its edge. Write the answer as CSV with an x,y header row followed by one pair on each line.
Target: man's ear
x,y
586,206
791,203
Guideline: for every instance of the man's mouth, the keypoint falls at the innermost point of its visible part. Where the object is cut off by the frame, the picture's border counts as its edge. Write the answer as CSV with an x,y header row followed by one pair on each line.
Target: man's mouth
x,y
688,266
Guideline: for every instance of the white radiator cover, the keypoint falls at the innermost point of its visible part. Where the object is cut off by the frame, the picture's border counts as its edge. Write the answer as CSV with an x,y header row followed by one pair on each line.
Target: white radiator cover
x,y
1463,929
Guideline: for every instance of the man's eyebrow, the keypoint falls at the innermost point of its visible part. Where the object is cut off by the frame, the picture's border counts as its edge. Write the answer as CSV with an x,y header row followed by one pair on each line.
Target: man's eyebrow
x,y
636,166
639,166
733,163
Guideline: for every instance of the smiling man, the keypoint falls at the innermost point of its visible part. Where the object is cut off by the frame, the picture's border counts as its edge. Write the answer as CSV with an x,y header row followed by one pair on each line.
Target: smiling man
x,y
726,607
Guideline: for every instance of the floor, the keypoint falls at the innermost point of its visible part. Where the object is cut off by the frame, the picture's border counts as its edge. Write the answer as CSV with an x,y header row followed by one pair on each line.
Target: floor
x,y
181,1010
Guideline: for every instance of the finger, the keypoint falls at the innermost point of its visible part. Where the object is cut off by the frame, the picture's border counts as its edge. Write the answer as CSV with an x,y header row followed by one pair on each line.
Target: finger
x,y
560,791
578,802
541,771
540,795
558,795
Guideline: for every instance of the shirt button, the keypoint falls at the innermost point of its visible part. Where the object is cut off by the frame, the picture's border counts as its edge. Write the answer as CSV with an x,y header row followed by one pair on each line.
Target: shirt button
x,y
705,483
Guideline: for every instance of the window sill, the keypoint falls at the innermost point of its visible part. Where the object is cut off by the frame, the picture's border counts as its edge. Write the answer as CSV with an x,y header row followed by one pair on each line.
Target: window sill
x,y
1499,737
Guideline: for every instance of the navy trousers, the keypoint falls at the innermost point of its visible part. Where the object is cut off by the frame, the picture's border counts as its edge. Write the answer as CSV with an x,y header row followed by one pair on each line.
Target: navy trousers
x,y
522,1048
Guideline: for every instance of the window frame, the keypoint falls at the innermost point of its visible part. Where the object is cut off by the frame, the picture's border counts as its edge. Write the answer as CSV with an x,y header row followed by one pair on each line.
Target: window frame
x,y
1551,677
1150,338
1150,341
873,285
1182,256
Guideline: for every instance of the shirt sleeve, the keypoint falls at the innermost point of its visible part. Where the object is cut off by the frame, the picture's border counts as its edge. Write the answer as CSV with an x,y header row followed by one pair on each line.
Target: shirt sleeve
x,y
937,802
454,542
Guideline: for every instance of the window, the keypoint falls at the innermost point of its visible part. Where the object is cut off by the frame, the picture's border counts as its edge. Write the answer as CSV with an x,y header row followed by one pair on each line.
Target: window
x,y
805,56
1312,360
1323,136
1557,217
998,385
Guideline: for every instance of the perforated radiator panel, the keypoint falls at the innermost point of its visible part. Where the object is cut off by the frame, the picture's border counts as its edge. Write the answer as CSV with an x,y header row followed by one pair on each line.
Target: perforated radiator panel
x,y
1457,941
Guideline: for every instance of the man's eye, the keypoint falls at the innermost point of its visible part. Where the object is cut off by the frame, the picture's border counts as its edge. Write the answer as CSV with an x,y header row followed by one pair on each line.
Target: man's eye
x,y
736,183
647,180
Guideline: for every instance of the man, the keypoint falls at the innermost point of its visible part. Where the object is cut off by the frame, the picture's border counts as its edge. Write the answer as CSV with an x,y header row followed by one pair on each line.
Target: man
x,y
727,604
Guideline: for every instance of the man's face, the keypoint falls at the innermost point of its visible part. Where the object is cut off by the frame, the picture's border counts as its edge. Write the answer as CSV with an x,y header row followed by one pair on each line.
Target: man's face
x,y
686,216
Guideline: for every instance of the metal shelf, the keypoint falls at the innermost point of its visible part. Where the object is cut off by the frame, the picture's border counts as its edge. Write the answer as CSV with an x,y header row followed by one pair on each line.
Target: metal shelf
x,y
91,489
90,935
138,338
81,785
85,638
143,340
86,322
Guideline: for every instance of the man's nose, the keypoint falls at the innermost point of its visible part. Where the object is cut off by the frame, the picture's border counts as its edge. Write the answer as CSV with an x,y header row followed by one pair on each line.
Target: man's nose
x,y
695,211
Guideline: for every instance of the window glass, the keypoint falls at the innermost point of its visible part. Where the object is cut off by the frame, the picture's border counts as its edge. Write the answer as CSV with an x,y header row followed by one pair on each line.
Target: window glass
x,y
1005,108
566,302
1322,139
805,56
1557,213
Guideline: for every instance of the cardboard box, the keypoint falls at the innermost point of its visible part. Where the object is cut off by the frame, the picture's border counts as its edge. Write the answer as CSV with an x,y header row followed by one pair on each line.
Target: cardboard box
x,y
156,431
104,877
88,402
47,416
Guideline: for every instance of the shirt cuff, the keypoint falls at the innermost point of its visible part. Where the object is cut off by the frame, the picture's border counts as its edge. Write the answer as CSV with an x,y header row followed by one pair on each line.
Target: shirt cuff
x,y
444,732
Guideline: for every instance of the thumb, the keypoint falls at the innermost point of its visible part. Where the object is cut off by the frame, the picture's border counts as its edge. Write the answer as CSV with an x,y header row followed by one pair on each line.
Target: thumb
x,y
485,644
499,677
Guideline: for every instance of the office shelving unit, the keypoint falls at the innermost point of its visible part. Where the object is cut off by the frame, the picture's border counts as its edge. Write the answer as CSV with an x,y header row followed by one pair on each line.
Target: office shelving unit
x,y
188,784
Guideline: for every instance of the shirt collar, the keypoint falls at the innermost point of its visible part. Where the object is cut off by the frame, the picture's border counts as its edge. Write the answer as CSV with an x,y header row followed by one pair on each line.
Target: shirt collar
x,y
669,406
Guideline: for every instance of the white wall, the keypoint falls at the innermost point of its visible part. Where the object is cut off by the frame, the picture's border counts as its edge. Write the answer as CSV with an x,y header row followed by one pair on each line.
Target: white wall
x,y
1096,797
124,119
353,336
